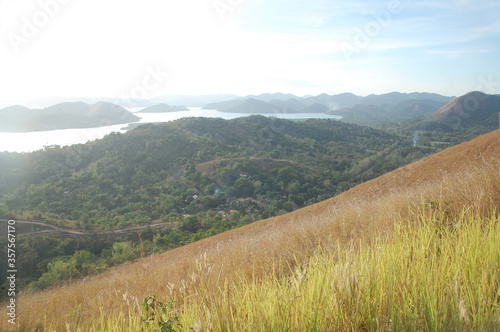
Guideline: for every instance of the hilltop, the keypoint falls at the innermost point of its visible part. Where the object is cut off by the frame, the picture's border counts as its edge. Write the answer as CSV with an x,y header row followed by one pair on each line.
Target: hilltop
x,y
461,119
472,109
465,176
63,116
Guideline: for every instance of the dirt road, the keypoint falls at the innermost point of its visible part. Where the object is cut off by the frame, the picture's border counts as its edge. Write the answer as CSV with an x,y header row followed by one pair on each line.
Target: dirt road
x,y
56,229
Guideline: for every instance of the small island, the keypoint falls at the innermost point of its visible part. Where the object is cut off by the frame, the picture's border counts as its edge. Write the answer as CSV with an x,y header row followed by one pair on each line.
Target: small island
x,y
63,116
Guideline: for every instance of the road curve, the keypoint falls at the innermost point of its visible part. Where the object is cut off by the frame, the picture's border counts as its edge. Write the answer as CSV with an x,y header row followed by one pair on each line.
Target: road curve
x,y
73,232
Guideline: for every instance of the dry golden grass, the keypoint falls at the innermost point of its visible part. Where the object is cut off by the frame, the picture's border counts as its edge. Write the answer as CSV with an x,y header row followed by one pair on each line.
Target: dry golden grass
x,y
467,175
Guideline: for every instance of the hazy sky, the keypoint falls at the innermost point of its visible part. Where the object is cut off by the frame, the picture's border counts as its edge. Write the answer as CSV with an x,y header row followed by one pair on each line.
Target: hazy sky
x,y
119,48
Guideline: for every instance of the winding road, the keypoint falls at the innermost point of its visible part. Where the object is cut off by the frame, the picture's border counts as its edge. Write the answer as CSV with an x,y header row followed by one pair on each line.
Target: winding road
x,y
70,231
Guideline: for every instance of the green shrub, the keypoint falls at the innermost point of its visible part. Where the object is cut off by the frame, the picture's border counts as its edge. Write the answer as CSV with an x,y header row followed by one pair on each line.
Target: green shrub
x,y
158,316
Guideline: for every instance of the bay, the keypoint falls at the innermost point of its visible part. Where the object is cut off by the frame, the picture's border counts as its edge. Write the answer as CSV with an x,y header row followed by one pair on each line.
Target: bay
x,y
32,141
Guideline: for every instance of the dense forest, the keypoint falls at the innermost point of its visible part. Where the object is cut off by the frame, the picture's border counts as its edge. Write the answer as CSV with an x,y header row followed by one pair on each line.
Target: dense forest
x,y
182,181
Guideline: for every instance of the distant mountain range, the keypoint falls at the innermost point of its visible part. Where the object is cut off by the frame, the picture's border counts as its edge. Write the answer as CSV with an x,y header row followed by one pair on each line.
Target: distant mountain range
x,y
63,116
163,108
40,103
426,109
193,100
335,101
345,104
275,106
397,97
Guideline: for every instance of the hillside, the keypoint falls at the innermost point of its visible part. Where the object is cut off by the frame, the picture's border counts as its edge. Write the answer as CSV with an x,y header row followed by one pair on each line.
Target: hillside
x,y
253,106
181,181
63,116
124,171
267,164
372,114
224,104
217,280
362,113
292,104
464,118
472,109
412,108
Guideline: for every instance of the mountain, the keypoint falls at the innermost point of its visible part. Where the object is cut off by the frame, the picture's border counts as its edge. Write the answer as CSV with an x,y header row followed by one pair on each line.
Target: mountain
x,y
289,105
372,113
362,112
315,108
224,104
286,103
63,116
412,108
44,102
283,101
193,100
347,100
12,110
163,108
253,106
237,270
474,108
401,105
268,97
393,98
334,101
467,116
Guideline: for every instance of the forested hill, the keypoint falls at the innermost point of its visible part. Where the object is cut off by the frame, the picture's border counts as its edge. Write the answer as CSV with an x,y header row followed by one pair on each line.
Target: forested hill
x,y
63,116
150,174
176,183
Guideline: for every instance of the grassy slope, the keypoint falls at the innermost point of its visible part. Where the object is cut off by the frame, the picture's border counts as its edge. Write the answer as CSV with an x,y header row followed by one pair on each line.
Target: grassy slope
x,y
202,276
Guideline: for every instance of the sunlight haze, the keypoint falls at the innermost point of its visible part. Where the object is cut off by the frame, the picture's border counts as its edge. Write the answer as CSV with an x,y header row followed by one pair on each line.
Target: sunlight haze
x,y
107,49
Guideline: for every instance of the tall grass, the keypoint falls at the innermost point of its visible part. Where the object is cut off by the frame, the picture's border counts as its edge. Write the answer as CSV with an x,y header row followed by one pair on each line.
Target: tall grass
x,y
436,273
426,276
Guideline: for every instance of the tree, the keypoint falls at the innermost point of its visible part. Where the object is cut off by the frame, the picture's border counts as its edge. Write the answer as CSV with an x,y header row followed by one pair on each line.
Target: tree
x,y
288,206
287,174
191,224
243,187
122,252
57,271
82,257
4,212
294,187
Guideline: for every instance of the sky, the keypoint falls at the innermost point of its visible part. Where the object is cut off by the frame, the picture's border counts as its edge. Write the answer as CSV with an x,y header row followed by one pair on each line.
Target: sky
x,y
149,48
